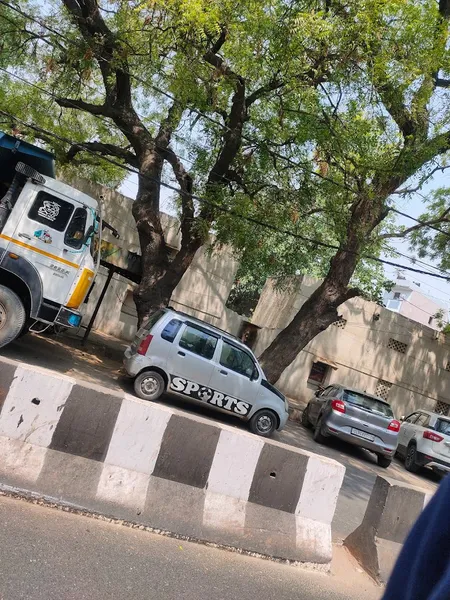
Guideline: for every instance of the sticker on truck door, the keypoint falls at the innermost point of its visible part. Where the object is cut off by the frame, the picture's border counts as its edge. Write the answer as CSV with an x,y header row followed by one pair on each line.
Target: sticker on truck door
x,y
208,395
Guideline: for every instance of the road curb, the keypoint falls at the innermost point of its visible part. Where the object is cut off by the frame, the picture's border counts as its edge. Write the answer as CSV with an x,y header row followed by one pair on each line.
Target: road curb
x,y
114,454
392,511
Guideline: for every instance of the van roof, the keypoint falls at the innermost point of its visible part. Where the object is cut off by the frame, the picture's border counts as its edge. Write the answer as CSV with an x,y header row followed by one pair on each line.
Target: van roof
x,y
213,328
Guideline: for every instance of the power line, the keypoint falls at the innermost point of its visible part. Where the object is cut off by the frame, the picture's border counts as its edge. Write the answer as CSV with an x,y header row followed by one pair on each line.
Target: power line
x,y
257,143
222,208
423,223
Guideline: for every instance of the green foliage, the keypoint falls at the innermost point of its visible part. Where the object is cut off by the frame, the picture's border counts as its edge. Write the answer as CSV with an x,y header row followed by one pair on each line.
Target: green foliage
x,y
347,110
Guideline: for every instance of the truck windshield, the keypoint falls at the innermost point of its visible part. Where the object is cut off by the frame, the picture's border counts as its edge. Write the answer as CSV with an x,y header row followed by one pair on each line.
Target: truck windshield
x,y
368,403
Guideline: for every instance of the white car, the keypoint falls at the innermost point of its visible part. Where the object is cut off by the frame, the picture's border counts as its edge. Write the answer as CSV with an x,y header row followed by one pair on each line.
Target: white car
x,y
424,441
178,354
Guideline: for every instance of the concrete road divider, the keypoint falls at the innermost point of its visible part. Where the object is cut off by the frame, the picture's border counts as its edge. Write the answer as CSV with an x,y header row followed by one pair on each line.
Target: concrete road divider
x,y
392,510
111,453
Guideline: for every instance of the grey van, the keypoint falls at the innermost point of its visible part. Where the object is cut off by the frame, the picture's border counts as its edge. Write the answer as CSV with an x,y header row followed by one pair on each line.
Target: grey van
x,y
178,354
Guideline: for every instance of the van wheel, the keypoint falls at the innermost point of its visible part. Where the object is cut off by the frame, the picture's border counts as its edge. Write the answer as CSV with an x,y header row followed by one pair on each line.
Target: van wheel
x,y
149,385
410,460
263,423
383,461
12,316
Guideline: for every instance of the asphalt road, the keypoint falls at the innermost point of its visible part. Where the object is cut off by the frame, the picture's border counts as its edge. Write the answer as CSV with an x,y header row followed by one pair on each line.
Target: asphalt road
x,y
99,362
47,554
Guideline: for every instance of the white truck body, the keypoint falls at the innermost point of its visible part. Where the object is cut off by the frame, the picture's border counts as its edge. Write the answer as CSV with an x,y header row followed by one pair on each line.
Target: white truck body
x,y
46,257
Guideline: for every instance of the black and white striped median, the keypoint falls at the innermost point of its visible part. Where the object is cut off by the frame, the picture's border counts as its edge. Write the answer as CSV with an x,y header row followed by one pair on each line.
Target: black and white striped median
x,y
111,453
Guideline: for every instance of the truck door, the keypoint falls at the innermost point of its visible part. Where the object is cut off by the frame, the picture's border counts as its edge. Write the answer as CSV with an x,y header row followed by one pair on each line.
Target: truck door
x,y
49,232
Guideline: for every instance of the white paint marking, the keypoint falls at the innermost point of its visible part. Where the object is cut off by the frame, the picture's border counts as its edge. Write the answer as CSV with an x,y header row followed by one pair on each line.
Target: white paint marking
x,y
314,537
21,460
123,486
223,512
234,464
33,406
320,490
137,436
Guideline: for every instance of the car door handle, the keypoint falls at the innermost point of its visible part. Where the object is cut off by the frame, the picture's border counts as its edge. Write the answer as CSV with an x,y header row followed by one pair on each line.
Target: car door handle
x,y
222,372
182,353
25,235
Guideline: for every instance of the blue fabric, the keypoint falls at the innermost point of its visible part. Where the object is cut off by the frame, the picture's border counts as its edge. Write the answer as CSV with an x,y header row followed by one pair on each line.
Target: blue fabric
x,y
422,571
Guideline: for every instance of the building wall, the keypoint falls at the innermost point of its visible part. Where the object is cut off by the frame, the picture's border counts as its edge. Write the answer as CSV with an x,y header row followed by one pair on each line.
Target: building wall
x,y
358,351
202,291
414,304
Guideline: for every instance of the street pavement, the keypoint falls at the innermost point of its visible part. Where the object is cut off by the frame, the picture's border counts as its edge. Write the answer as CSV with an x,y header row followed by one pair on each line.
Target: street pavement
x,y
99,362
48,554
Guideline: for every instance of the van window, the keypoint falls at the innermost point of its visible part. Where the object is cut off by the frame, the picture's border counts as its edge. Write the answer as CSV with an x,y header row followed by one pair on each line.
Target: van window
x,y
51,211
169,333
75,232
198,341
237,360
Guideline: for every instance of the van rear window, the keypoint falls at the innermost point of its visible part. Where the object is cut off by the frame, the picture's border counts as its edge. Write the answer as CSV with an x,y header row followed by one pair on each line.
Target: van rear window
x,y
368,403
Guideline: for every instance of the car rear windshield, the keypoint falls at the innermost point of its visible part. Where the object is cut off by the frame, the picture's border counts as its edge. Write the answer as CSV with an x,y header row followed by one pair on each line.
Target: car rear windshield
x,y
368,403
443,427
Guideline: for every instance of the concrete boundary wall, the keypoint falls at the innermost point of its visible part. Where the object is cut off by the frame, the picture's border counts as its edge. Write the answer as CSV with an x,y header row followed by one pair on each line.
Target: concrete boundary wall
x,y
114,454
392,511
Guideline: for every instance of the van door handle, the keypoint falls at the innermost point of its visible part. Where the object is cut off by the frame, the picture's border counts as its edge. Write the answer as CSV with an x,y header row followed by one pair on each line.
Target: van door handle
x,y
181,353
25,235
223,372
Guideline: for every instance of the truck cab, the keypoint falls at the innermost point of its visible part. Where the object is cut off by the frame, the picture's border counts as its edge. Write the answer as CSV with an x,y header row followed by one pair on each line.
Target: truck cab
x,y
47,231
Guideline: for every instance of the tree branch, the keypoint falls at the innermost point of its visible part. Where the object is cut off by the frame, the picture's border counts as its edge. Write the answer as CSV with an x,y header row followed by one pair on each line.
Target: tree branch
x,y
93,109
402,234
104,150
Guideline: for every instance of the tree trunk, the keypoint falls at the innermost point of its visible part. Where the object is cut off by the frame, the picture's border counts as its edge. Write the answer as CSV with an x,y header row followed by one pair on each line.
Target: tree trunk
x,y
320,310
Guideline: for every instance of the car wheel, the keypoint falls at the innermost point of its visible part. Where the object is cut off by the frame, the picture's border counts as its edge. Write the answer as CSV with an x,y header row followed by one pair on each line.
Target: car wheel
x,y
12,316
318,435
305,418
149,385
410,460
383,461
263,423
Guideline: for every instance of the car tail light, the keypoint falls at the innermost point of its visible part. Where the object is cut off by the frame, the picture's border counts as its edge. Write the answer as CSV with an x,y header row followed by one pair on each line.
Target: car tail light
x,y
394,425
143,346
338,406
434,437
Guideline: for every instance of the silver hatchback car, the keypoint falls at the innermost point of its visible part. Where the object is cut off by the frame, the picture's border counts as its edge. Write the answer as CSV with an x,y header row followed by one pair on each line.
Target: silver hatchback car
x,y
355,417
178,354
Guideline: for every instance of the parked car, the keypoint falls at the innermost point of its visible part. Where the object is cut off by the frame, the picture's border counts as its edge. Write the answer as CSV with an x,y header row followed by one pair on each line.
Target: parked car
x,y
424,441
355,417
177,353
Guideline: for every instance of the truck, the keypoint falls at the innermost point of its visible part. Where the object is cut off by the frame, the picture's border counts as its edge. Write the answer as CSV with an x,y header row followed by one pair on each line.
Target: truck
x,y
49,242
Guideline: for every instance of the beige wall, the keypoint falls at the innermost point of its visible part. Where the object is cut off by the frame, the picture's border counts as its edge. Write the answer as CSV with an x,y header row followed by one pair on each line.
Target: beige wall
x,y
359,351
202,291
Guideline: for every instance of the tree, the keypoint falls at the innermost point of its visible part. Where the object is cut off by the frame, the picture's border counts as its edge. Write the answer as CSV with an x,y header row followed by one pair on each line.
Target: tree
x,y
389,124
307,115
173,60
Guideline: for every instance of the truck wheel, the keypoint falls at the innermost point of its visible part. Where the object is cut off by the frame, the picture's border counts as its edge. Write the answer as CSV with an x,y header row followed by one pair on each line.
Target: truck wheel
x,y
149,385
12,316
263,423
